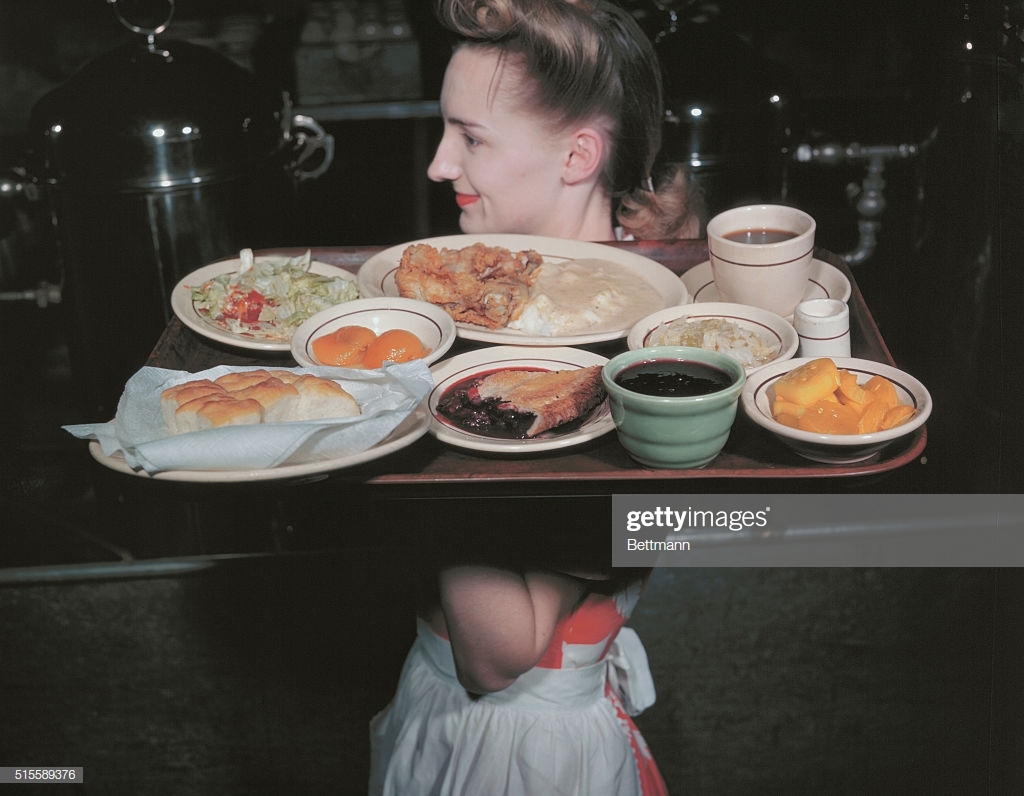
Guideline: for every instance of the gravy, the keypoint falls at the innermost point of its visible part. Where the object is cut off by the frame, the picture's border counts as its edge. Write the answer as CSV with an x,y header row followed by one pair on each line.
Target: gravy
x,y
587,295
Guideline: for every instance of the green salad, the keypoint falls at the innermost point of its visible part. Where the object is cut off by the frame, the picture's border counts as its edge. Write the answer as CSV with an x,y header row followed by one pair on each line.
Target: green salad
x,y
269,297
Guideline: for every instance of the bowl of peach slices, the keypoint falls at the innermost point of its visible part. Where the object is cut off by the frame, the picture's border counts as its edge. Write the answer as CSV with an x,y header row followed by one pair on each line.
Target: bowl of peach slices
x,y
838,410
366,333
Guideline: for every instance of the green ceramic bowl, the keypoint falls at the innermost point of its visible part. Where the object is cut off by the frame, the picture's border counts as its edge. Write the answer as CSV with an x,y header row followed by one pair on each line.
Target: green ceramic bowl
x,y
672,431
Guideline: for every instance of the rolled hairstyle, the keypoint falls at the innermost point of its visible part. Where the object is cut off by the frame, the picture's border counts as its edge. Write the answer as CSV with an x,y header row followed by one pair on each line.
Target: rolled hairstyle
x,y
590,62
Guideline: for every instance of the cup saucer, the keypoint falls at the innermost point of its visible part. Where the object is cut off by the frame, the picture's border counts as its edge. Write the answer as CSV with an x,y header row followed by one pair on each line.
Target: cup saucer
x,y
825,281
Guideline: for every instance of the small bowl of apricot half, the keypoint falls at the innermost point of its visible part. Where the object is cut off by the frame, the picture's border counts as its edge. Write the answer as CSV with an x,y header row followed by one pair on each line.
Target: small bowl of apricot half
x,y
366,333
837,410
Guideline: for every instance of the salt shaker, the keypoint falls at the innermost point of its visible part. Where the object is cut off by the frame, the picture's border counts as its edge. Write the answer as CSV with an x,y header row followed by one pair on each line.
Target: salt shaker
x,y
823,326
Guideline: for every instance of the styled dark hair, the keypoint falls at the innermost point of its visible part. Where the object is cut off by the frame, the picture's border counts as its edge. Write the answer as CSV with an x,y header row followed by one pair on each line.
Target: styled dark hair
x,y
589,62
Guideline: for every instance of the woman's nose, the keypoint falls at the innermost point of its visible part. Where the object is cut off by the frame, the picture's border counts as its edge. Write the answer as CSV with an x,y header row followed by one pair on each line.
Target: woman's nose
x,y
443,166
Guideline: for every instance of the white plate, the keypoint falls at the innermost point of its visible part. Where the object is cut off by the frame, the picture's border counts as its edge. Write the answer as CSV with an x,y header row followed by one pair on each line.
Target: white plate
x,y
449,372
408,431
181,304
432,325
825,281
765,323
377,278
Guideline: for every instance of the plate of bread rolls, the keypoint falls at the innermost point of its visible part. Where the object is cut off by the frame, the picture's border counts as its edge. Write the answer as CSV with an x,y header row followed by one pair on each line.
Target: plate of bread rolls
x,y
251,424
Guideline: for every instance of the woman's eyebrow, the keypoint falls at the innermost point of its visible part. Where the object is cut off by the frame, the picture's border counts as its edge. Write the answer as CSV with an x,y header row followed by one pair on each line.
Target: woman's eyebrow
x,y
454,120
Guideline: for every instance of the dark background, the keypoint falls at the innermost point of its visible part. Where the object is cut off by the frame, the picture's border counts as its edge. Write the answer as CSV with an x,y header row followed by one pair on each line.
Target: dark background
x,y
224,673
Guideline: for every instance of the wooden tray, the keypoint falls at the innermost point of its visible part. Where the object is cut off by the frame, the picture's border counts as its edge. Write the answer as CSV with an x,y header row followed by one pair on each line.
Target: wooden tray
x,y
599,466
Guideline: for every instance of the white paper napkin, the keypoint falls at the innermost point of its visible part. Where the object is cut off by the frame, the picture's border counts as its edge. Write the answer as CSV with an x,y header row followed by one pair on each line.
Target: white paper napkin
x,y
386,397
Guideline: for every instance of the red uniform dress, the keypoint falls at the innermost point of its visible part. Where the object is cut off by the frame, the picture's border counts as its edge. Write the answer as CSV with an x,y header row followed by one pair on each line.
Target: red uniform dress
x,y
563,727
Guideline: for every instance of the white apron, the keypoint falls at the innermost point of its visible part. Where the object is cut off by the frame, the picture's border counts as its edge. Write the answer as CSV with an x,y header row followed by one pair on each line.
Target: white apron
x,y
553,732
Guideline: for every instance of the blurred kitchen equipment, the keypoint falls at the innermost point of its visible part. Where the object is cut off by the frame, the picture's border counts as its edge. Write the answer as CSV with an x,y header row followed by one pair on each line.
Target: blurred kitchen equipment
x,y
357,51
731,115
730,129
869,197
156,158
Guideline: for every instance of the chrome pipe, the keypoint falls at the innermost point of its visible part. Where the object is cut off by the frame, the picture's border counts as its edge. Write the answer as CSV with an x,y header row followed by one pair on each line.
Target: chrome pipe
x,y
870,195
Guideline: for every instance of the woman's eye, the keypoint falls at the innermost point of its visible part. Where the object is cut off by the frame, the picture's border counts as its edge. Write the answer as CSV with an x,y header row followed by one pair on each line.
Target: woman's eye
x,y
470,141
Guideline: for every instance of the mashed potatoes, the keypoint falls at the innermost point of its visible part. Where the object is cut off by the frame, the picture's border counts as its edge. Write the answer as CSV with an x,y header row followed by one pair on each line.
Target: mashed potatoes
x,y
583,296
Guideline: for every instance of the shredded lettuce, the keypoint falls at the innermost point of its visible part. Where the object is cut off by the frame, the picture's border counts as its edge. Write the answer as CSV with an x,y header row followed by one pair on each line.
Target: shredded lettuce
x,y
291,291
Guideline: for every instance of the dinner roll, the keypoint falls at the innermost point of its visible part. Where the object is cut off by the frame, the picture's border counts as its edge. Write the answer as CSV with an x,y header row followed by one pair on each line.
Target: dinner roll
x,y
323,398
240,379
287,376
279,400
212,411
251,397
215,413
180,394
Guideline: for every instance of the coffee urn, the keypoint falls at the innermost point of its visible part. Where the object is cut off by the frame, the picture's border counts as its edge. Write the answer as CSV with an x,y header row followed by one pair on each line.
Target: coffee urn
x,y
157,158
728,111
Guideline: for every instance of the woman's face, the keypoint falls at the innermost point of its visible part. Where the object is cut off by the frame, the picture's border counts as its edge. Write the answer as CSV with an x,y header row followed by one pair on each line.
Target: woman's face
x,y
504,163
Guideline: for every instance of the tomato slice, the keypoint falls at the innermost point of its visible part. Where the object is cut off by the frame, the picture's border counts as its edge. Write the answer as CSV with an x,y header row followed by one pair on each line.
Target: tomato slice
x,y
246,307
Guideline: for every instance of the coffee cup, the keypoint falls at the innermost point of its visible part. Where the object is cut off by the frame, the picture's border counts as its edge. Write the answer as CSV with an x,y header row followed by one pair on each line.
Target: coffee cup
x,y
762,255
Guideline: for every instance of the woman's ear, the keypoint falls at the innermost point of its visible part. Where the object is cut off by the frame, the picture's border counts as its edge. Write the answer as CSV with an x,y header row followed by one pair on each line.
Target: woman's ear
x,y
586,156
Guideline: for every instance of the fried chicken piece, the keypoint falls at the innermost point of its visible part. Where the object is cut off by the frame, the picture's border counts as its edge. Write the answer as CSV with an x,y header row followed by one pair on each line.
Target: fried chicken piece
x,y
483,285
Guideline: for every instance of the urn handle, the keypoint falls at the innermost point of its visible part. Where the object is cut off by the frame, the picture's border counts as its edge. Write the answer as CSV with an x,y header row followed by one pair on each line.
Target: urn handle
x,y
150,28
311,140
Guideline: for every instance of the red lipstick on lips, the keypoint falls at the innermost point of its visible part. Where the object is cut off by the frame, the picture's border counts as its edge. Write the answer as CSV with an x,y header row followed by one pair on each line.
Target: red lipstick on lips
x,y
466,199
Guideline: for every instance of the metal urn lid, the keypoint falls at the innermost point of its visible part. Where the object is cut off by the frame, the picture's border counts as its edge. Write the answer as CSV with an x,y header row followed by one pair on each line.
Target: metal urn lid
x,y
157,115
736,112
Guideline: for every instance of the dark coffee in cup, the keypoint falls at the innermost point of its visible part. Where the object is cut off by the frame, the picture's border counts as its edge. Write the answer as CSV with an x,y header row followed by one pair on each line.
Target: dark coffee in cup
x,y
674,378
760,236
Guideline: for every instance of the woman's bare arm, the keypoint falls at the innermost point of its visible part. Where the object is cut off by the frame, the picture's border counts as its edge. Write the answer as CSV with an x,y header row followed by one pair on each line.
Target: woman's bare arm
x,y
500,622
